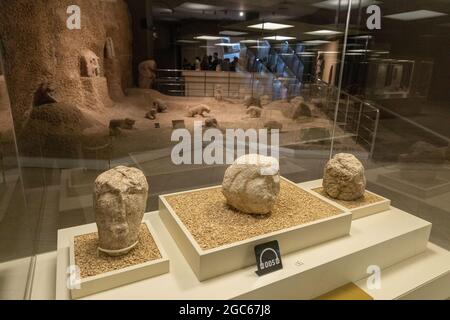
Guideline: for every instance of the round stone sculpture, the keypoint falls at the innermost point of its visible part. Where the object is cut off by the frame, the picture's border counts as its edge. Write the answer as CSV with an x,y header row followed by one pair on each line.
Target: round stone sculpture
x,y
344,177
120,199
252,184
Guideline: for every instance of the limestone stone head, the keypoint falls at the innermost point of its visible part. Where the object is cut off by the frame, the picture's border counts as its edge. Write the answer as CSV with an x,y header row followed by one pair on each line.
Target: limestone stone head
x,y
90,64
120,199
252,184
147,68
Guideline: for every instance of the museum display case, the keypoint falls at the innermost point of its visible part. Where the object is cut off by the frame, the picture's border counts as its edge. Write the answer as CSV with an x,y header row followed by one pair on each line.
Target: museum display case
x,y
224,149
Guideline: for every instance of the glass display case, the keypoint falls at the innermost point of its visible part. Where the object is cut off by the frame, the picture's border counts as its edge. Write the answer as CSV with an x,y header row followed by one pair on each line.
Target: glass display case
x,y
132,117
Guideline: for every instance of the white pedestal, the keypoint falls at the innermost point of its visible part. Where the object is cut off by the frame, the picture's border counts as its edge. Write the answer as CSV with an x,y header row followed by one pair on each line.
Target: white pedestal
x,y
435,209
421,277
383,239
214,262
112,279
358,212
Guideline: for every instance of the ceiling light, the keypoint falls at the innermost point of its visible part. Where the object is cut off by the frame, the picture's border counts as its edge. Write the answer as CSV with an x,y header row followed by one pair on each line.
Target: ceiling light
x,y
361,37
314,42
249,41
324,32
270,26
225,44
359,50
329,52
232,33
381,52
198,6
334,4
260,47
241,14
415,15
279,38
208,38
306,53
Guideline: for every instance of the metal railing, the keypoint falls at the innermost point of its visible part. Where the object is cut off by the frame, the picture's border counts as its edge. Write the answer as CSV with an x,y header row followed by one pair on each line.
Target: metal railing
x,y
170,82
173,82
355,116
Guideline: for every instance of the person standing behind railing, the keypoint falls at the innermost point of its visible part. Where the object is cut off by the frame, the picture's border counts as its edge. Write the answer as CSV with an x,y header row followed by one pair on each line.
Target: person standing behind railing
x,y
234,67
198,64
215,62
219,65
226,65
210,61
204,64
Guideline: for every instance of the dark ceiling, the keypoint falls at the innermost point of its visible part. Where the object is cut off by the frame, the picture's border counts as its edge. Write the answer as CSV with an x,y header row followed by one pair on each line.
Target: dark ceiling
x,y
213,15
315,11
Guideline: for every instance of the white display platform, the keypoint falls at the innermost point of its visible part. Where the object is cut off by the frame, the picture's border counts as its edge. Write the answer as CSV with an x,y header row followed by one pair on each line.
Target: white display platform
x,y
359,212
117,278
436,209
383,239
422,277
214,262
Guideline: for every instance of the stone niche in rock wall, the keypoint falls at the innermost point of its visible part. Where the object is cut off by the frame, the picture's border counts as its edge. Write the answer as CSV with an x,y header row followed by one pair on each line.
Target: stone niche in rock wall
x,y
90,64
110,52
94,85
113,72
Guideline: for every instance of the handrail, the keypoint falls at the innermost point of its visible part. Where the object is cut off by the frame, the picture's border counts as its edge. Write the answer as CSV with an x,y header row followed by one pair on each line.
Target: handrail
x,y
364,110
170,70
290,52
348,118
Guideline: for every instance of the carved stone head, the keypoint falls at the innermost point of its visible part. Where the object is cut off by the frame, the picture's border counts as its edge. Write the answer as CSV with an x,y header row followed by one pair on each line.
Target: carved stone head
x,y
120,199
147,73
90,64
147,68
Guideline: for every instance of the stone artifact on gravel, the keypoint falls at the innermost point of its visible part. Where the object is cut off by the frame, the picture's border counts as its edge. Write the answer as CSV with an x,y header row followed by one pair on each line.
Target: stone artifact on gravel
x,y
120,200
344,177
252,184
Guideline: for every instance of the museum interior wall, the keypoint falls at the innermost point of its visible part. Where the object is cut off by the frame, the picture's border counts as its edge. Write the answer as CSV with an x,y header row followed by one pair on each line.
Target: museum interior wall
x,y
75,104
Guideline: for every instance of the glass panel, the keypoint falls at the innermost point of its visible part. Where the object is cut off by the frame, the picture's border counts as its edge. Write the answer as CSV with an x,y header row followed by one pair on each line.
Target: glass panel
x,y
17,221
107,83
100,84
402,70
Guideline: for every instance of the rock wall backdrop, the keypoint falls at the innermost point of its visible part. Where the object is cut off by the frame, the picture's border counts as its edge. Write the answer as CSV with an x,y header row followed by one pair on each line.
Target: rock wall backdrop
x,y
38,49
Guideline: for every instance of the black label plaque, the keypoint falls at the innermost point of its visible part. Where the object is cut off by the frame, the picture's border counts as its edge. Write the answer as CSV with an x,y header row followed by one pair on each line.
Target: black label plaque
x,y
268,258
